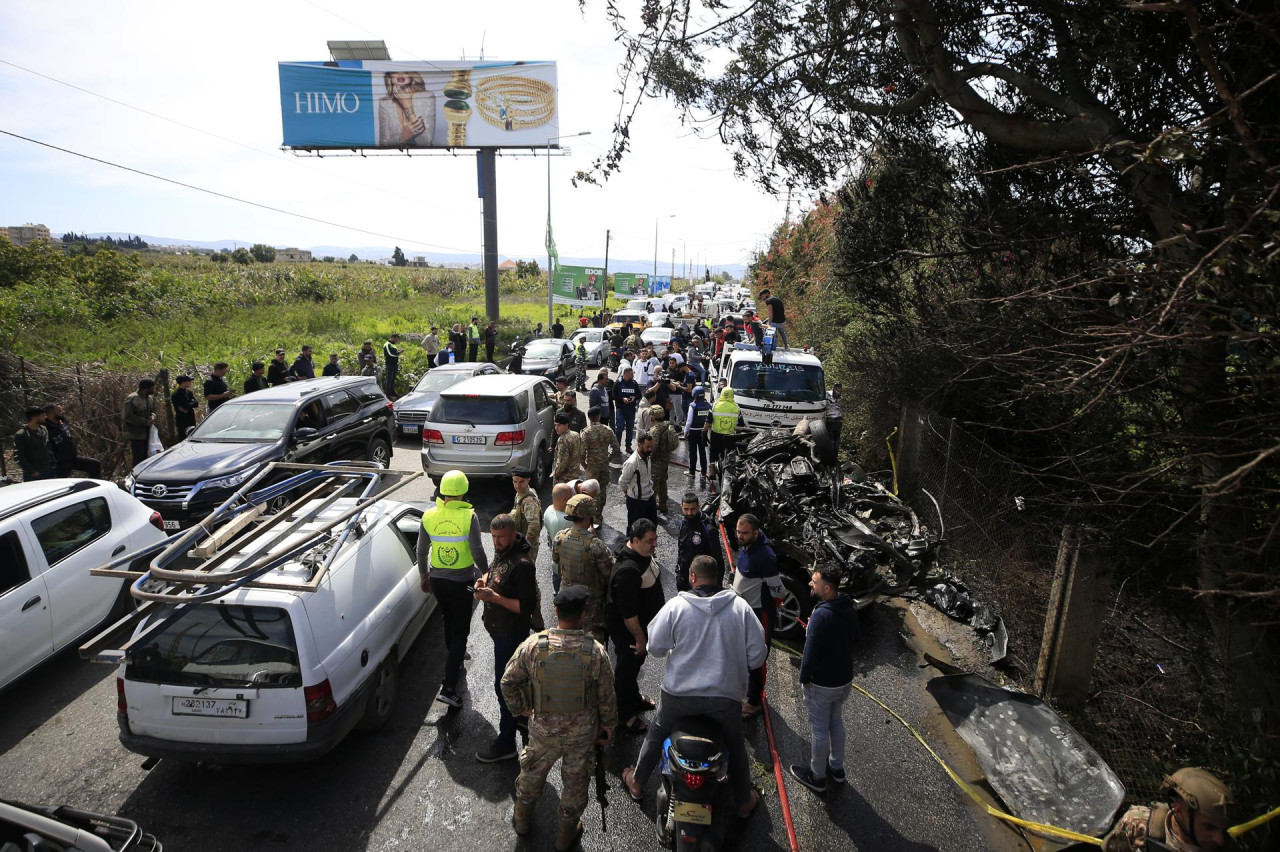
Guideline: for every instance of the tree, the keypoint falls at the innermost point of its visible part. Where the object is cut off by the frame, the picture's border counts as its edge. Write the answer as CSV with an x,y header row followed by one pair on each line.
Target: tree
x,y
242,256
398,258
528,269
262,253
353,258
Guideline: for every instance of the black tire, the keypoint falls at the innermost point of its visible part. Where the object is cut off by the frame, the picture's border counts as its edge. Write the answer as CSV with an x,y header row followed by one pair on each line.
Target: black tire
x,y
379,451
382,695
797,605
824,445
541,468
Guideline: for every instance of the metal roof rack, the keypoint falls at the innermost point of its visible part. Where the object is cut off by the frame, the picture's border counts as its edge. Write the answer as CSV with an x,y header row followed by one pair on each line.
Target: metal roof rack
x,y
227,558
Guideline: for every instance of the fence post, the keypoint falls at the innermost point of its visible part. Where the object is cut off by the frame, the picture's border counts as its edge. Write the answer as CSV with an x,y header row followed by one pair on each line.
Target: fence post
x,y
1077,604
26,397
908,450
80,390
162,379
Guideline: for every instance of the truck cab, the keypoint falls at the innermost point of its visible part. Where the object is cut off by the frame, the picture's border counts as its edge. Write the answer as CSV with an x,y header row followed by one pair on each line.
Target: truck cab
x,y
779,394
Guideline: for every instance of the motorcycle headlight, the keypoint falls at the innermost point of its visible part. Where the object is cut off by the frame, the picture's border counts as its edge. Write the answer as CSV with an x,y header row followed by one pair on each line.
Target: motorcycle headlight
x,y
230,481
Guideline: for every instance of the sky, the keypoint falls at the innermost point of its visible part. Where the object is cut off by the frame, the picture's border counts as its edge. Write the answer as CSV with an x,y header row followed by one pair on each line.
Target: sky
x,y
214,67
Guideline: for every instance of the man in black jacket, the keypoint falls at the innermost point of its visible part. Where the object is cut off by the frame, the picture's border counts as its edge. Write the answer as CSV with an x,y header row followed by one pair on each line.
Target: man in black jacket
x,y
63,444
303,366
278,370
216,391
697,538
634,598
391,353
509,592
31,446
626,395
184,406
256,380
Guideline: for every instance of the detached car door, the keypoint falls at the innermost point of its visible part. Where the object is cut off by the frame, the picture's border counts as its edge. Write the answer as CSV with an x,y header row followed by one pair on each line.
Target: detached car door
x,y
26,626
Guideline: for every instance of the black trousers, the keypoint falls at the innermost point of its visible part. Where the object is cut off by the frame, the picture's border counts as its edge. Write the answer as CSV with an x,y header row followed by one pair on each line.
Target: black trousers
x,y
475,352
92,467
393,367
641,509
697,452
456,605
626,672
755,677
488,352
139,449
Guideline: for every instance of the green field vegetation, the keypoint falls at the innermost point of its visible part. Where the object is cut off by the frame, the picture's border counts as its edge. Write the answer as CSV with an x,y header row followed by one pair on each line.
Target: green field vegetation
x,y
139,312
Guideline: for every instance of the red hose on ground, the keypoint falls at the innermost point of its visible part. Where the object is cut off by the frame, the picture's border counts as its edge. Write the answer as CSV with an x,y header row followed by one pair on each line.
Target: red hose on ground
x,y
768,728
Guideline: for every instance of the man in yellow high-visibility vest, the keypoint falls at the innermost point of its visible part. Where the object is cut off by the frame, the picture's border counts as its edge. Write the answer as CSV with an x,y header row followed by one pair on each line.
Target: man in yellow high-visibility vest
x,y
724,422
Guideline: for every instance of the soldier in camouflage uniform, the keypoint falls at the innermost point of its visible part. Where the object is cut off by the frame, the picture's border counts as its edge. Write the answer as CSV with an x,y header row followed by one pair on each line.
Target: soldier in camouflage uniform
x,y
665,439
1194,817
584,560
598,446
561,680
568,458
527,511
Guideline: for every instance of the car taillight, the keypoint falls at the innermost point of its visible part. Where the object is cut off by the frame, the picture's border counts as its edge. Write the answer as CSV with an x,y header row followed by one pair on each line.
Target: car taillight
x,y
507,439
121,704
432,436
320,703
157,521
692,780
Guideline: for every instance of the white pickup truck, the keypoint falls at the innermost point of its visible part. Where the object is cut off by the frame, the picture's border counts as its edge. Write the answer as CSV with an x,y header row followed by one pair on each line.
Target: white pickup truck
x,y
775,395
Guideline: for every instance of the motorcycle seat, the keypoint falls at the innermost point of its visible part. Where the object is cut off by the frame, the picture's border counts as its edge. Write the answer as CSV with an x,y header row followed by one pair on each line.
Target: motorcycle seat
x,y
697,738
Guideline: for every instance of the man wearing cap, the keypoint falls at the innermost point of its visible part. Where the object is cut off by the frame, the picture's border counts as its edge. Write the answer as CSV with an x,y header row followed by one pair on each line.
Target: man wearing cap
x,y
584,560
391,353
431,345
626,396
303,367
570,407
278,370
512,609
568,458
636,482
184,406
256,380
697,425
665,440
527,511
562,681
598,446
450,558
1193,816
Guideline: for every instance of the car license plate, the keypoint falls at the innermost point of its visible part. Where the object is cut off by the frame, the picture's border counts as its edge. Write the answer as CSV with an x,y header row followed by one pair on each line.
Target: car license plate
x,y
172,525
469,439
231,708
692,812
409,430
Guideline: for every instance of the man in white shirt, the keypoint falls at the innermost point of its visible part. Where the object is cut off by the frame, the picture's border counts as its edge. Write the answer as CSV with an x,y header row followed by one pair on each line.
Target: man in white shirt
x,y
553,521
636,482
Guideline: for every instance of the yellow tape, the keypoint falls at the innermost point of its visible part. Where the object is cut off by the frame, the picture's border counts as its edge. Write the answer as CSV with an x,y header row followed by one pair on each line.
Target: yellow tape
x,y
1237,830
893,463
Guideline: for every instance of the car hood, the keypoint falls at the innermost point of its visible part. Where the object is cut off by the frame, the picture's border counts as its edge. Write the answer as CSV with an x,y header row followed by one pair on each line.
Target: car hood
x,y
417,401
531,362
191,461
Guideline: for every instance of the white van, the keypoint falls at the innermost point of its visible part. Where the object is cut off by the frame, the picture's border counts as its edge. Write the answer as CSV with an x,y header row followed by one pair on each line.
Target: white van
x,y
775,395
265,674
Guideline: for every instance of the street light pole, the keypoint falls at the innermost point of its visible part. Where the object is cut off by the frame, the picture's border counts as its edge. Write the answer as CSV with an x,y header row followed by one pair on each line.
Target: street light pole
x,y
550,271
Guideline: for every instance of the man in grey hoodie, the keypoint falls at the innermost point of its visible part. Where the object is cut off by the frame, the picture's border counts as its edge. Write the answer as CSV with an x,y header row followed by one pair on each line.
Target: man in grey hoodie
x,y
712,638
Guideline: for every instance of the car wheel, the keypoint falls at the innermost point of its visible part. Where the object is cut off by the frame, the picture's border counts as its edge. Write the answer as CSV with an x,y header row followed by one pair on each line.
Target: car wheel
x,y
382,695
796,606
823,445
380,451
540,468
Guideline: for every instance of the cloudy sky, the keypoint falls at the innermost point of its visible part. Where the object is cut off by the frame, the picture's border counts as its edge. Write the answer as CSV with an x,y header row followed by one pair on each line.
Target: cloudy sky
x,y
213,68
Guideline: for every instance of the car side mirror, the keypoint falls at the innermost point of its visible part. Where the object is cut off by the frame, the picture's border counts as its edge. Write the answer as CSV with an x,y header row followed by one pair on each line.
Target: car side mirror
x,y
303,434
187,434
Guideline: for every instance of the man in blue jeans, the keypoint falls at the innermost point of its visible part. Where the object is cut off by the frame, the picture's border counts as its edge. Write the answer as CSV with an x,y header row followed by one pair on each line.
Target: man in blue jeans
x,y
826,678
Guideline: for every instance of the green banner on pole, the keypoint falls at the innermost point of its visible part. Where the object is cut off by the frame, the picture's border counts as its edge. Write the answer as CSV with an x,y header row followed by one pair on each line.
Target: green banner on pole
x,y
578,286
629,284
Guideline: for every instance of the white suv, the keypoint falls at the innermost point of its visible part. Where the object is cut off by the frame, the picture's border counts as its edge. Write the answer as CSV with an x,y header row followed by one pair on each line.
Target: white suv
x,y
263,674
52,532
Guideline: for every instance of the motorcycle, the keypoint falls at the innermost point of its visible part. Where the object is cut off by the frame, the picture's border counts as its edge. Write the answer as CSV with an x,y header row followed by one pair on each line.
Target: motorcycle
x,y
693,796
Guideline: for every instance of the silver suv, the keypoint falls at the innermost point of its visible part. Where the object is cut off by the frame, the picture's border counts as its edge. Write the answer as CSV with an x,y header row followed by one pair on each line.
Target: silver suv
x,y
488,426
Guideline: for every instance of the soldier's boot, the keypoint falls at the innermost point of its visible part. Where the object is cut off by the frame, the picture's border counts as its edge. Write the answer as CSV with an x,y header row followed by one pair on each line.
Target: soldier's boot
x,y
567,834
522,817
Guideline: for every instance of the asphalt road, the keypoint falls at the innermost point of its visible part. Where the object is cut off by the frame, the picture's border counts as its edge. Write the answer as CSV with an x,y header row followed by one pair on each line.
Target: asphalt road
x,y
416,785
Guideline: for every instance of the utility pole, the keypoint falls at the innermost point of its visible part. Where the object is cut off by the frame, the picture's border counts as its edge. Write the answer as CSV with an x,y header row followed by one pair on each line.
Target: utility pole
x,y
604,292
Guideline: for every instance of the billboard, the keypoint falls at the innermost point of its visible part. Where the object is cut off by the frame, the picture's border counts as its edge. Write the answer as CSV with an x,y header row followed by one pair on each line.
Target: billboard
x,y
659,284
380,104
578,286
629,284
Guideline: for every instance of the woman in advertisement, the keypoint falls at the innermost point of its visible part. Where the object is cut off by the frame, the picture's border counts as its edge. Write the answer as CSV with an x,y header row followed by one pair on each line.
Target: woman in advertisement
x,y
407,114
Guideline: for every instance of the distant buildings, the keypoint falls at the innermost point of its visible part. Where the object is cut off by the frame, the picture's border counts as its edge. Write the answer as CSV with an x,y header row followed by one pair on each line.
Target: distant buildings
x,y
22,235
293,255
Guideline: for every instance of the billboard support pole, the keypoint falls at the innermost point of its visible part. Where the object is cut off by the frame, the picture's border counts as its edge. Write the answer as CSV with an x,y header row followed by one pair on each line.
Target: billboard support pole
x,y
604,287
486,162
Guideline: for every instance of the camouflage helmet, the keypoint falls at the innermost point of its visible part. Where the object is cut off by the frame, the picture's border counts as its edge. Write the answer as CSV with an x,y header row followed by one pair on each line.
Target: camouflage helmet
x,y
1203,792
581,507
657,412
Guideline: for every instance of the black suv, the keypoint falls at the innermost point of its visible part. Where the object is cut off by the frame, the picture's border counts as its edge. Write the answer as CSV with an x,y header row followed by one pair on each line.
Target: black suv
x,y
313,421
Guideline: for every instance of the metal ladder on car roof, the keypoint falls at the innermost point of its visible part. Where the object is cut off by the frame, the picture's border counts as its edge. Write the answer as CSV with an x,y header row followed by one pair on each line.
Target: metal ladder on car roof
x,y
228,558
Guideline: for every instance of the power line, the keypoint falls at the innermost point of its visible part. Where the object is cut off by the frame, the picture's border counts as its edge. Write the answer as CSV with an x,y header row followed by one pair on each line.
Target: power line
x,y
258,204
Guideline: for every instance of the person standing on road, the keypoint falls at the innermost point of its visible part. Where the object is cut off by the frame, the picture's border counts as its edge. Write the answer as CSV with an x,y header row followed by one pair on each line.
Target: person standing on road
x,y
527,510
557,329
584,560
450,558
431,345
490,340
568,457
826,678
697,538
777,315
580,362
184,406
31,446
598,446
553,521
602,396
473,340
697,425
561,680
758,582
724,423
509,592
391,353
278,370
63,444
634,598
710,638
666,438
256,380
636,482
303,366
216,391
578,418
139,417
626,396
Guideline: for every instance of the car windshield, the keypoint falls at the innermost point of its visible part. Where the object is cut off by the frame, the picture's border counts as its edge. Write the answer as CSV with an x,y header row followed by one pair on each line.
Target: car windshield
x,y
438,380
220,645
783,382
543,349
474,410
245,422
586,336
637,304
656,335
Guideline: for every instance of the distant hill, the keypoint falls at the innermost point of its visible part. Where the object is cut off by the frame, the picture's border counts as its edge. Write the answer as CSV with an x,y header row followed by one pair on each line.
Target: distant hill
x,y
383,253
